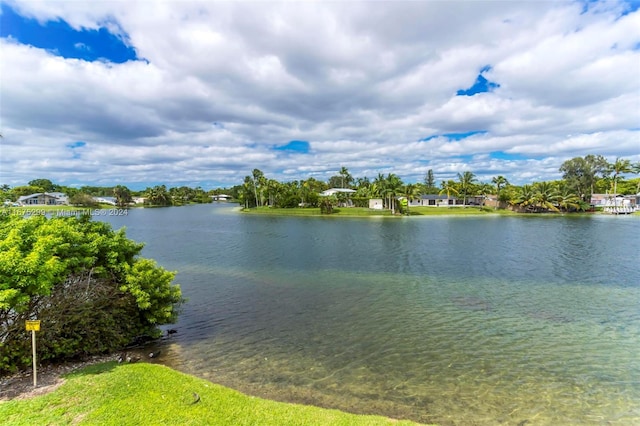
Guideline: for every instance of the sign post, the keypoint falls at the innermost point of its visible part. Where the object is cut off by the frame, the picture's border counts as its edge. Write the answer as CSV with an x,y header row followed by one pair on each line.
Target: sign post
x,y
34,326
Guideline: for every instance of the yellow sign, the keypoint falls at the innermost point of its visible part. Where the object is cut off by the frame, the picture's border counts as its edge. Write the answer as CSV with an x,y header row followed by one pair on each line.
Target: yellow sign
x,y
33,325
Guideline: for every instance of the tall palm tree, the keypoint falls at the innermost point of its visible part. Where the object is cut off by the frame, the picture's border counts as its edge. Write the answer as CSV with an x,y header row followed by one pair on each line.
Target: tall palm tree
x,y
619,167
272,190
448,187
466,179
500,182
393,187
410,191
380,184
345,176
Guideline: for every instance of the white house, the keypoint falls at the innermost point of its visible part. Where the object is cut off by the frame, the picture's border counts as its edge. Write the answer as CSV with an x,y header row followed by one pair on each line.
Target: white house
x,y
433,200
44,199
105,200
375,203
221,197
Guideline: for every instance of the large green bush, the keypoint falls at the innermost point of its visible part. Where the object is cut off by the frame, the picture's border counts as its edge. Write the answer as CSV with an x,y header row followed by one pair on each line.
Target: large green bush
x,y
84,281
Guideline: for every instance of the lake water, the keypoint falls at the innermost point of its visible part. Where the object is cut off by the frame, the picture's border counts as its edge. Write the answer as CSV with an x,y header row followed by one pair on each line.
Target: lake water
x,y
451,320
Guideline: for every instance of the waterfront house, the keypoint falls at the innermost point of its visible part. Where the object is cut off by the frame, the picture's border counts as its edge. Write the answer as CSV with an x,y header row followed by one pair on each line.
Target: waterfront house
x,y
334,191
221,197
615,202
435,200
44,199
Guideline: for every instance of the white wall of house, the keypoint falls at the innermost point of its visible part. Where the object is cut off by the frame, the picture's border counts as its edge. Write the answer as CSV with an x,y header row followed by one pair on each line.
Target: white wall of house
x,y
375,203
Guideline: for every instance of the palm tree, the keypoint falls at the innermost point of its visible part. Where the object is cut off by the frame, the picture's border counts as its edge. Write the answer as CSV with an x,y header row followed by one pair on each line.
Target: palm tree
x,y
568,200
545,196
620,166
448,187
485,189
123,195
466,181
345,176
379,185
257,177
500,182
159,196
525,197
410,191
635,168
272,190
392,189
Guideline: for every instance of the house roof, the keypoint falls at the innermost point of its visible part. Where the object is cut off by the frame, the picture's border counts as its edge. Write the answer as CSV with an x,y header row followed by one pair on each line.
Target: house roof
x,y
332,191
46,194
436,197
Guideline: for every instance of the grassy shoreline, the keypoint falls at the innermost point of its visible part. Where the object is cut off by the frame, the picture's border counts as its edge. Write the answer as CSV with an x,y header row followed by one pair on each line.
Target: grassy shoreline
x,y
117,394
413,212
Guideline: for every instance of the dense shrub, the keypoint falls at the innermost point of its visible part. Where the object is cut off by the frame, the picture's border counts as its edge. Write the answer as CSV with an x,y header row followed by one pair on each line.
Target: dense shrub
x,y
86,284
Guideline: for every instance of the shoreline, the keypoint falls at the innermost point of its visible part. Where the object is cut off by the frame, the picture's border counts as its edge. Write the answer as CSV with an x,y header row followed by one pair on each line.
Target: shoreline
x,y
423,212
135,375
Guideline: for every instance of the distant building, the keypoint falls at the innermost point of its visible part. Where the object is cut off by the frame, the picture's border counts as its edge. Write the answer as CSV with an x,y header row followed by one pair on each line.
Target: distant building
x,y
44,199
333,191
627,203
221,197
105,200
433,200
375,203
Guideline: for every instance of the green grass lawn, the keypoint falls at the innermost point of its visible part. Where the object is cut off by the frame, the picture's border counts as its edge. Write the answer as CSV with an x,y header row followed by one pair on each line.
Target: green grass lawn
x,y
150,394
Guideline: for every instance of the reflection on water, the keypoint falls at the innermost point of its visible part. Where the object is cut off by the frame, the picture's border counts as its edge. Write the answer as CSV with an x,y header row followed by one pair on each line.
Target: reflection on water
x,y
445,320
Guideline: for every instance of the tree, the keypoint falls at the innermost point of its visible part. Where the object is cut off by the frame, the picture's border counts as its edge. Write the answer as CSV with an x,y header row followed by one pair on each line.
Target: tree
x,y
123,196
85,282
84,200
19,191
619,167
246,193
448,187
430,182
567,200
635,168
327,204
346,177
500,182
525,197
410,192
581,174
158,196
467,180
392,188
45,184
258,179
545,196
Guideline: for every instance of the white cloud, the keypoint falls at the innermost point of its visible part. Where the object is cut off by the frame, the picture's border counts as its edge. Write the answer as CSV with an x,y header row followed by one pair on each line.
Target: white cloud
x,y
363,82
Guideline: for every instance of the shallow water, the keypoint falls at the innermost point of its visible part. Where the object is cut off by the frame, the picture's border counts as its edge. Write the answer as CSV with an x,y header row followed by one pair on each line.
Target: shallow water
x,y
456,320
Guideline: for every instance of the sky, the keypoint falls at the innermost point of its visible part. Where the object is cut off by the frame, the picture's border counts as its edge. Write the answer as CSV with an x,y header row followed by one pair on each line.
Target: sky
x,y
191,93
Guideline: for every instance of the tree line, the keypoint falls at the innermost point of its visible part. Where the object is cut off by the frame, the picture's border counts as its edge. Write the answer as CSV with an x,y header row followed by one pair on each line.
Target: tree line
x,y
85,196
581,177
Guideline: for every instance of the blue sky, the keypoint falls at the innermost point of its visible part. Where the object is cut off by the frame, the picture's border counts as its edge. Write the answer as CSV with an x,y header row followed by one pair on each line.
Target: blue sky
x,y
118,92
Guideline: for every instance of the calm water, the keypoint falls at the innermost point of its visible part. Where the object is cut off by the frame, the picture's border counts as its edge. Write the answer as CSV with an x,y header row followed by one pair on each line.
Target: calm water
x,y
452,320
